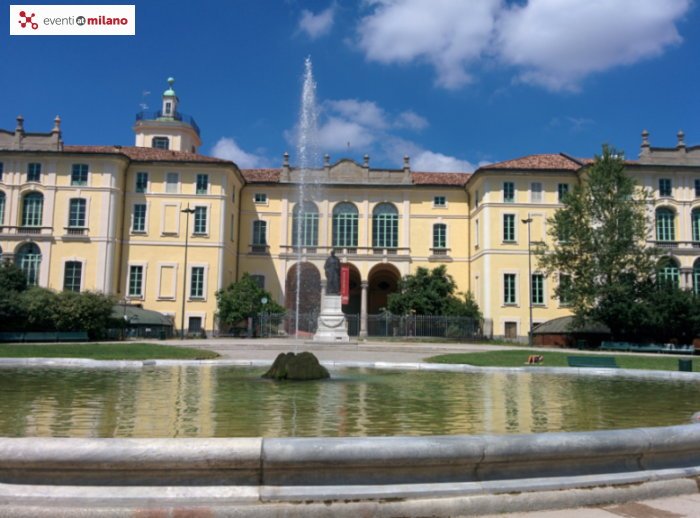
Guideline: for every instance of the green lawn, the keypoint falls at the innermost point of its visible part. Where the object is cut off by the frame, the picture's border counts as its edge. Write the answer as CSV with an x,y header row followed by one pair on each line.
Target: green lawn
x,y
102,351
518,358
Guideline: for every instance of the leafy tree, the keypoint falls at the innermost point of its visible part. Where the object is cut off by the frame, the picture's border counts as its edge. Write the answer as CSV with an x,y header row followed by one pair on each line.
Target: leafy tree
x,y
40,309
85,311
242,299
12,278
600,236
431,292
12,282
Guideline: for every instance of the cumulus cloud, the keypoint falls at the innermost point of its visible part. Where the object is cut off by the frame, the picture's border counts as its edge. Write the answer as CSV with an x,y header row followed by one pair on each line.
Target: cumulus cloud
x,y
437,162
228,149
552,43
557,43
411,120
317,25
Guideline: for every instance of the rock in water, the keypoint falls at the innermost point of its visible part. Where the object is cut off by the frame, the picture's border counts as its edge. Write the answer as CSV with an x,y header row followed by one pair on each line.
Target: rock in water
x,y
303,366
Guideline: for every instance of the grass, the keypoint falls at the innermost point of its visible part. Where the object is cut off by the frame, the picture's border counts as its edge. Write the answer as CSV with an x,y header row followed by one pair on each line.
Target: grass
x,y
105,351
517,358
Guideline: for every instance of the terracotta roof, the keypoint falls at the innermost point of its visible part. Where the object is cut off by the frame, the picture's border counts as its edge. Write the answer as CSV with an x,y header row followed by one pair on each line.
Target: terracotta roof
x,y
458,179
261,175
145,154
546,162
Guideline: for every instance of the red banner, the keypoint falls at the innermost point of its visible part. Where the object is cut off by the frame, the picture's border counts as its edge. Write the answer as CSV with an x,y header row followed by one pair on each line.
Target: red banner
x,y
345,284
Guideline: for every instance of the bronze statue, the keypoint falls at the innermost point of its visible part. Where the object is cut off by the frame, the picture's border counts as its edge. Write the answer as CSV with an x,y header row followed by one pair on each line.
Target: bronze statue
x,y
332,268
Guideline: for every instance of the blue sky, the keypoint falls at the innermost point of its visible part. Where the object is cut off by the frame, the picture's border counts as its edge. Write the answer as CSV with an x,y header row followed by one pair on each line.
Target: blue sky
x,y
452,83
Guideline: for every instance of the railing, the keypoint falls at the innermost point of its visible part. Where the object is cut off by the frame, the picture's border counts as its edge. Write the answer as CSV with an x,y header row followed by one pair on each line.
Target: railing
x,y
26,230
676,244
259,249
158,115
76,231
291,250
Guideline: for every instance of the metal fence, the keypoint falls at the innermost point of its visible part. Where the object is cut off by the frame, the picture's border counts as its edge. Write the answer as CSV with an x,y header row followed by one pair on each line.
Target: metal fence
x,y
383,325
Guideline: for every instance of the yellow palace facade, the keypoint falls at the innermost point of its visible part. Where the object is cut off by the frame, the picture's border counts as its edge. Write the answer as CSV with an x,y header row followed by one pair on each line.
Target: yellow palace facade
x,y
160,225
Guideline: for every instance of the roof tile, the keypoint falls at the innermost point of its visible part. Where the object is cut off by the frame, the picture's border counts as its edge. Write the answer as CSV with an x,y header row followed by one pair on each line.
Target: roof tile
x,y
146,154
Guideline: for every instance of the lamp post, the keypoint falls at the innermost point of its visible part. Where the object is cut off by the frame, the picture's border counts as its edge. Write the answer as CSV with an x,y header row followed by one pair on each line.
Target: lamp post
x,y
528,221
187,213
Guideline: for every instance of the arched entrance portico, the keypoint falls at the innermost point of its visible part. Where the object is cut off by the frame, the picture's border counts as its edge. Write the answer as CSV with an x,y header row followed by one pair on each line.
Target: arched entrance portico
x,y
354,307
383,280
309,298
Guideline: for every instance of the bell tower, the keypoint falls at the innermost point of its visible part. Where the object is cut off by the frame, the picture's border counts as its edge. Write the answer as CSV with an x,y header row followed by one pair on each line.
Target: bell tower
x,y
167,128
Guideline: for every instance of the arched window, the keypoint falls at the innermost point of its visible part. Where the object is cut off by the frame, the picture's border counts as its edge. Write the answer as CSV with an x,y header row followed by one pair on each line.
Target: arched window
x,y
29,260
305,224
32,209
668,271
2,208
696,276
695,224
345,217
385,226
665,225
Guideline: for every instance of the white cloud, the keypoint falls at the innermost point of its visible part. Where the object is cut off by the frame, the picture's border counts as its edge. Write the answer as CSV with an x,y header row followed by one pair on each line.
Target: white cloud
x,y
447,34
228,149
554,43
557,43
337,134
411,120
430,161
365,113
317,25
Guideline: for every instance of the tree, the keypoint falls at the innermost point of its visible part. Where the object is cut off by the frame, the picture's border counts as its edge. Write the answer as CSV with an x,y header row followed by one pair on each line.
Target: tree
x,y
12,278
242,299
12,282
87,311
431,292
600,236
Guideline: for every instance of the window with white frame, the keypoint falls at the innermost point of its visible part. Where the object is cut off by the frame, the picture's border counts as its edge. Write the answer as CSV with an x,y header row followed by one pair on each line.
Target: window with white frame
x,y
2,170
141,182
76,213
345,225
508,192
29,260
160,143
385,226
33,172
79,174
72,275
439,202
2,208
200,220
509,228
32,209
259,233
537,295
260,197
694,219
305,224
172,182
665,225
665,187
440,236
202,186
509,288
139,218
197,282
562,191
536,192
697,184
564,289
135,280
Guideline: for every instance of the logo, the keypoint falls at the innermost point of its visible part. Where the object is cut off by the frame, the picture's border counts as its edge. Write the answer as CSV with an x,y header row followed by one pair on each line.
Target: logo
x,y
28,20
80,20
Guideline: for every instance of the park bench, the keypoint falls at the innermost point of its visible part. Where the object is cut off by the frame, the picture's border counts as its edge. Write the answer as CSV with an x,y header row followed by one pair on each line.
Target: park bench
x,y
604,362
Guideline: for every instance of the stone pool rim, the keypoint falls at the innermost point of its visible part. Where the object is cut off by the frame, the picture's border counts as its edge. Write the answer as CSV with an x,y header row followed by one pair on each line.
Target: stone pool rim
x,y
409,476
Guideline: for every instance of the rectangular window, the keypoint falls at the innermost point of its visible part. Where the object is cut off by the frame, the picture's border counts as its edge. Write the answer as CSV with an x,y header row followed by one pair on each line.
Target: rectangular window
x,y
509,288
537,288
476,232
439,201
197,282
79,174
171,182
697,184
139,221
439,235
194,325
71,276
141,182
664,187
202,184
135,281
509,228
564,289
233,227
694,225
200,220
562,190
33,172
476,200
259,233
76,213
259,280
508,192
160,143
2,170
536,192
260,197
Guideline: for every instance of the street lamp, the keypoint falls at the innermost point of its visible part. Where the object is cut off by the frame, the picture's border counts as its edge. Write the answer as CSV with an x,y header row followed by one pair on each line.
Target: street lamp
x,y
187,213
528,221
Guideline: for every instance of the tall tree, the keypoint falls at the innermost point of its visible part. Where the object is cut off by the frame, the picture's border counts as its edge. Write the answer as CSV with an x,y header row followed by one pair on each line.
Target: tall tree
x,y
599,238
243,299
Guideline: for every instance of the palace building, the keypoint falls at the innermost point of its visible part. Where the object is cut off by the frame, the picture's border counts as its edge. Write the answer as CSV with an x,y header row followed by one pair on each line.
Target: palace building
x,y
163,226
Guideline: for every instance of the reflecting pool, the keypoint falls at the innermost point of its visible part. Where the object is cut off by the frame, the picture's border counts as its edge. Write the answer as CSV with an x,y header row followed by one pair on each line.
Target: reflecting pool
x,y
218,401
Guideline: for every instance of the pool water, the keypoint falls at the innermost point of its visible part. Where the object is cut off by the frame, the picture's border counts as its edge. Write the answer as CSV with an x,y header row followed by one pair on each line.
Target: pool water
x,y
215,401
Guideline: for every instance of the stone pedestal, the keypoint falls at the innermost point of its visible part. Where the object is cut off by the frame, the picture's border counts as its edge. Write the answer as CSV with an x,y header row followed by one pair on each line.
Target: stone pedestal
x,y
331,321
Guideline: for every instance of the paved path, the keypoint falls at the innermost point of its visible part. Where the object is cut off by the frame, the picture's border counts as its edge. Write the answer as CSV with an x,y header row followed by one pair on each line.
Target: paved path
x,y
683,506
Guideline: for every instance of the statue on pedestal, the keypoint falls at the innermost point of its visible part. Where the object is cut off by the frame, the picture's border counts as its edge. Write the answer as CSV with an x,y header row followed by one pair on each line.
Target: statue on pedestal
x,y
332,269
